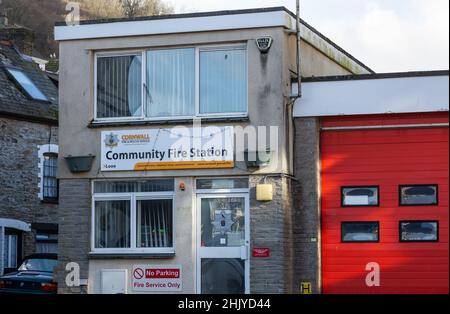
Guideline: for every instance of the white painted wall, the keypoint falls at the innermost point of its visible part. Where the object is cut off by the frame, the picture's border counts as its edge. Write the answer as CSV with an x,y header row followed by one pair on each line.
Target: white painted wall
x,y
374,96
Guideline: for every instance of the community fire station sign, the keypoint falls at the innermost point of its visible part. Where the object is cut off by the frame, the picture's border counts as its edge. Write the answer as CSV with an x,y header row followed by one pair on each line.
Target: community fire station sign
x,y
157,278
167,149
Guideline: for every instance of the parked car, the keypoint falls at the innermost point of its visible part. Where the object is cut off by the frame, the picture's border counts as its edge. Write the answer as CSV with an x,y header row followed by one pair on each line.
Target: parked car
x,y
34,276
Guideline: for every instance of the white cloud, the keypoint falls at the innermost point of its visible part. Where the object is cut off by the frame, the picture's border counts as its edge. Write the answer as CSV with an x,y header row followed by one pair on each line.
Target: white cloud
x,y
387,35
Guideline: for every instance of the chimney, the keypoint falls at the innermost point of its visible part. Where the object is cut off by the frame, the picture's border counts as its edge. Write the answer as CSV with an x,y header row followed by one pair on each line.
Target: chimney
x,y
20,36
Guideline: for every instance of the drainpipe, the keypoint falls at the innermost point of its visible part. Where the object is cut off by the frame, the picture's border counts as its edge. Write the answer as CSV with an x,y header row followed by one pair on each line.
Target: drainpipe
x,y
299,76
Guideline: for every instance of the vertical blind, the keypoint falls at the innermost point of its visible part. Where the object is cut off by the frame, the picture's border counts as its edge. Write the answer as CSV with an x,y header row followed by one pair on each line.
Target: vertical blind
x,y
223,81
119,86
112,224
50,181
171,82
154,224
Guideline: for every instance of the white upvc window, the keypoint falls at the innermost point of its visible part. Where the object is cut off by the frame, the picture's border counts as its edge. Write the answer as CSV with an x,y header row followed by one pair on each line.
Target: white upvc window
x,y
172,83
133,217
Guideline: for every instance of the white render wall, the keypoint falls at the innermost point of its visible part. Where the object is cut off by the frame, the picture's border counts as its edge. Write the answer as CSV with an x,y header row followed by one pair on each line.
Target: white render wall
x,y
374,96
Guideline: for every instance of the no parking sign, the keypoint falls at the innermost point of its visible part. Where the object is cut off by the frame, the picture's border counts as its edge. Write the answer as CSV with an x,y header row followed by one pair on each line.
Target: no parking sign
x,y
157,278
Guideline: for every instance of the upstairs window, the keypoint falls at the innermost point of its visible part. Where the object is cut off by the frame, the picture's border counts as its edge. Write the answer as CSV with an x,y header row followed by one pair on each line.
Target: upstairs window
x,y
360,196
27,85
178,83
411,195
50,181
119,86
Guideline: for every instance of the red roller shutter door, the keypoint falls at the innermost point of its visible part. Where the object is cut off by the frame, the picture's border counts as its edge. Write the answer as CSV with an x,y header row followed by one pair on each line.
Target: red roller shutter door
x,y
386,158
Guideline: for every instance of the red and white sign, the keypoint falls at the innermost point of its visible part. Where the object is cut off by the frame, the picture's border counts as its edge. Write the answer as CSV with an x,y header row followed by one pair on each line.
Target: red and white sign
x,y
157,278
261,252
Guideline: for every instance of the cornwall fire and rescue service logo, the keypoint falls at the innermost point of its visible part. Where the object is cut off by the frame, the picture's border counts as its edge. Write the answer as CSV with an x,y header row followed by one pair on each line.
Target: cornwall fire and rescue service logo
x,y
112,140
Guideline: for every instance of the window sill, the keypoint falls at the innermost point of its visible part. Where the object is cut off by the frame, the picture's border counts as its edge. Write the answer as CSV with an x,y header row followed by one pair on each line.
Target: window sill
x,y
100,124
100,256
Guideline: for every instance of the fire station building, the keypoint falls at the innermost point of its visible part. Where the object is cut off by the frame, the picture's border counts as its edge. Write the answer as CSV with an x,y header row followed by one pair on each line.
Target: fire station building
x,y
187,164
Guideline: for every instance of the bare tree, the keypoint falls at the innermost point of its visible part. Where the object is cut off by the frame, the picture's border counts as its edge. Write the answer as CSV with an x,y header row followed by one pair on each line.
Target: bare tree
x,y
133,8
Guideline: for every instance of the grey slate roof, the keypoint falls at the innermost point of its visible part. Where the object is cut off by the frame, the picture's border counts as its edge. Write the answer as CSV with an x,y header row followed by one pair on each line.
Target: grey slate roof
x,y
15,103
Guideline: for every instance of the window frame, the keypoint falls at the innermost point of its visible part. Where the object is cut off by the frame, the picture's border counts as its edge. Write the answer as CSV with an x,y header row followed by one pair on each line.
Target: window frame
x,y
44,197
132,197
197,114
360,187
417,221
42,151
417,185
360,222
98,55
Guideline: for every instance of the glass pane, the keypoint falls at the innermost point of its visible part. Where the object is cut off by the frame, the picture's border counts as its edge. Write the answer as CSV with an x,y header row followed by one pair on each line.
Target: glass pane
x,y
223,81
360,231
223,276
6,252
223,222
50,182
154,223
419,231
207,184
171,83
360,196
27,85
46,247
13,251
119,86
134,186
112,224
419,195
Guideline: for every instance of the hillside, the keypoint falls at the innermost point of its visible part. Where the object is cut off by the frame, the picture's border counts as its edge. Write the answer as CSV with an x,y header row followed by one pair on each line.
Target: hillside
x,y
41,15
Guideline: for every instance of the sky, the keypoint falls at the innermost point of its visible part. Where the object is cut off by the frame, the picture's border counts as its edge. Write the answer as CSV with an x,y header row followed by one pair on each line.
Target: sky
x,y
386,35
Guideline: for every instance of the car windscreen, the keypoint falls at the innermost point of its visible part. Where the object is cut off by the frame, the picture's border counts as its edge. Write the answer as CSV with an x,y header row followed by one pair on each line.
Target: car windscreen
x,y
46,265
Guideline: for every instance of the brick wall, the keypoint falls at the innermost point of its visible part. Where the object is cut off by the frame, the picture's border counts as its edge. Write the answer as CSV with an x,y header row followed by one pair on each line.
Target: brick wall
x,y
306,192
74,230
271,225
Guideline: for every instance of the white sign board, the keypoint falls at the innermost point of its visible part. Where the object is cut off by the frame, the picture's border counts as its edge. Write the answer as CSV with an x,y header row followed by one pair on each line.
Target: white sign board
x,y
157,278
167,149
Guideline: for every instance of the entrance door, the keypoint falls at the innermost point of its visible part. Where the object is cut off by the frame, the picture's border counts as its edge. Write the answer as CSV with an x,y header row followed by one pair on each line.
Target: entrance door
x,y
223,243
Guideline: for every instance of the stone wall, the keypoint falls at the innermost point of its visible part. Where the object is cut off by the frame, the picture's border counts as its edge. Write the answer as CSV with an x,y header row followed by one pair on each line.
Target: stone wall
x,y
271,225
74,230
306,192
19,174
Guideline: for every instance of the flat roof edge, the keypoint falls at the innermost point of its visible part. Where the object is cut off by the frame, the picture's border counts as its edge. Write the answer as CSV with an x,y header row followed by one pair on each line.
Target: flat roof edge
x,y
375,76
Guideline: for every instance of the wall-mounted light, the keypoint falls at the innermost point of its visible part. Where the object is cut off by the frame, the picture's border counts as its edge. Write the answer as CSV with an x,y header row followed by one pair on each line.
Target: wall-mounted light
x,y
78,164
264,192
182,186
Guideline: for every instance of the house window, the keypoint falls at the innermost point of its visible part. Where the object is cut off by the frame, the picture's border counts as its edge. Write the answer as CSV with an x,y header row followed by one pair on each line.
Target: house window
x,y
48,168
360,196
50,181
133,216
46,242
419,231
178,83
10,251
418,195
26,84
360,231
119,86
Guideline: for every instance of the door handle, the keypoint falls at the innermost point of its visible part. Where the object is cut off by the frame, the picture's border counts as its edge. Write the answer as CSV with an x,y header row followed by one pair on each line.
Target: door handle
x,y
244,252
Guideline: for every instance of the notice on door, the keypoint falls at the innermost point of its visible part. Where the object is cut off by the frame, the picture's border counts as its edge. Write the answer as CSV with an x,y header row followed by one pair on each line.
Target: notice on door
x,y
157,278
